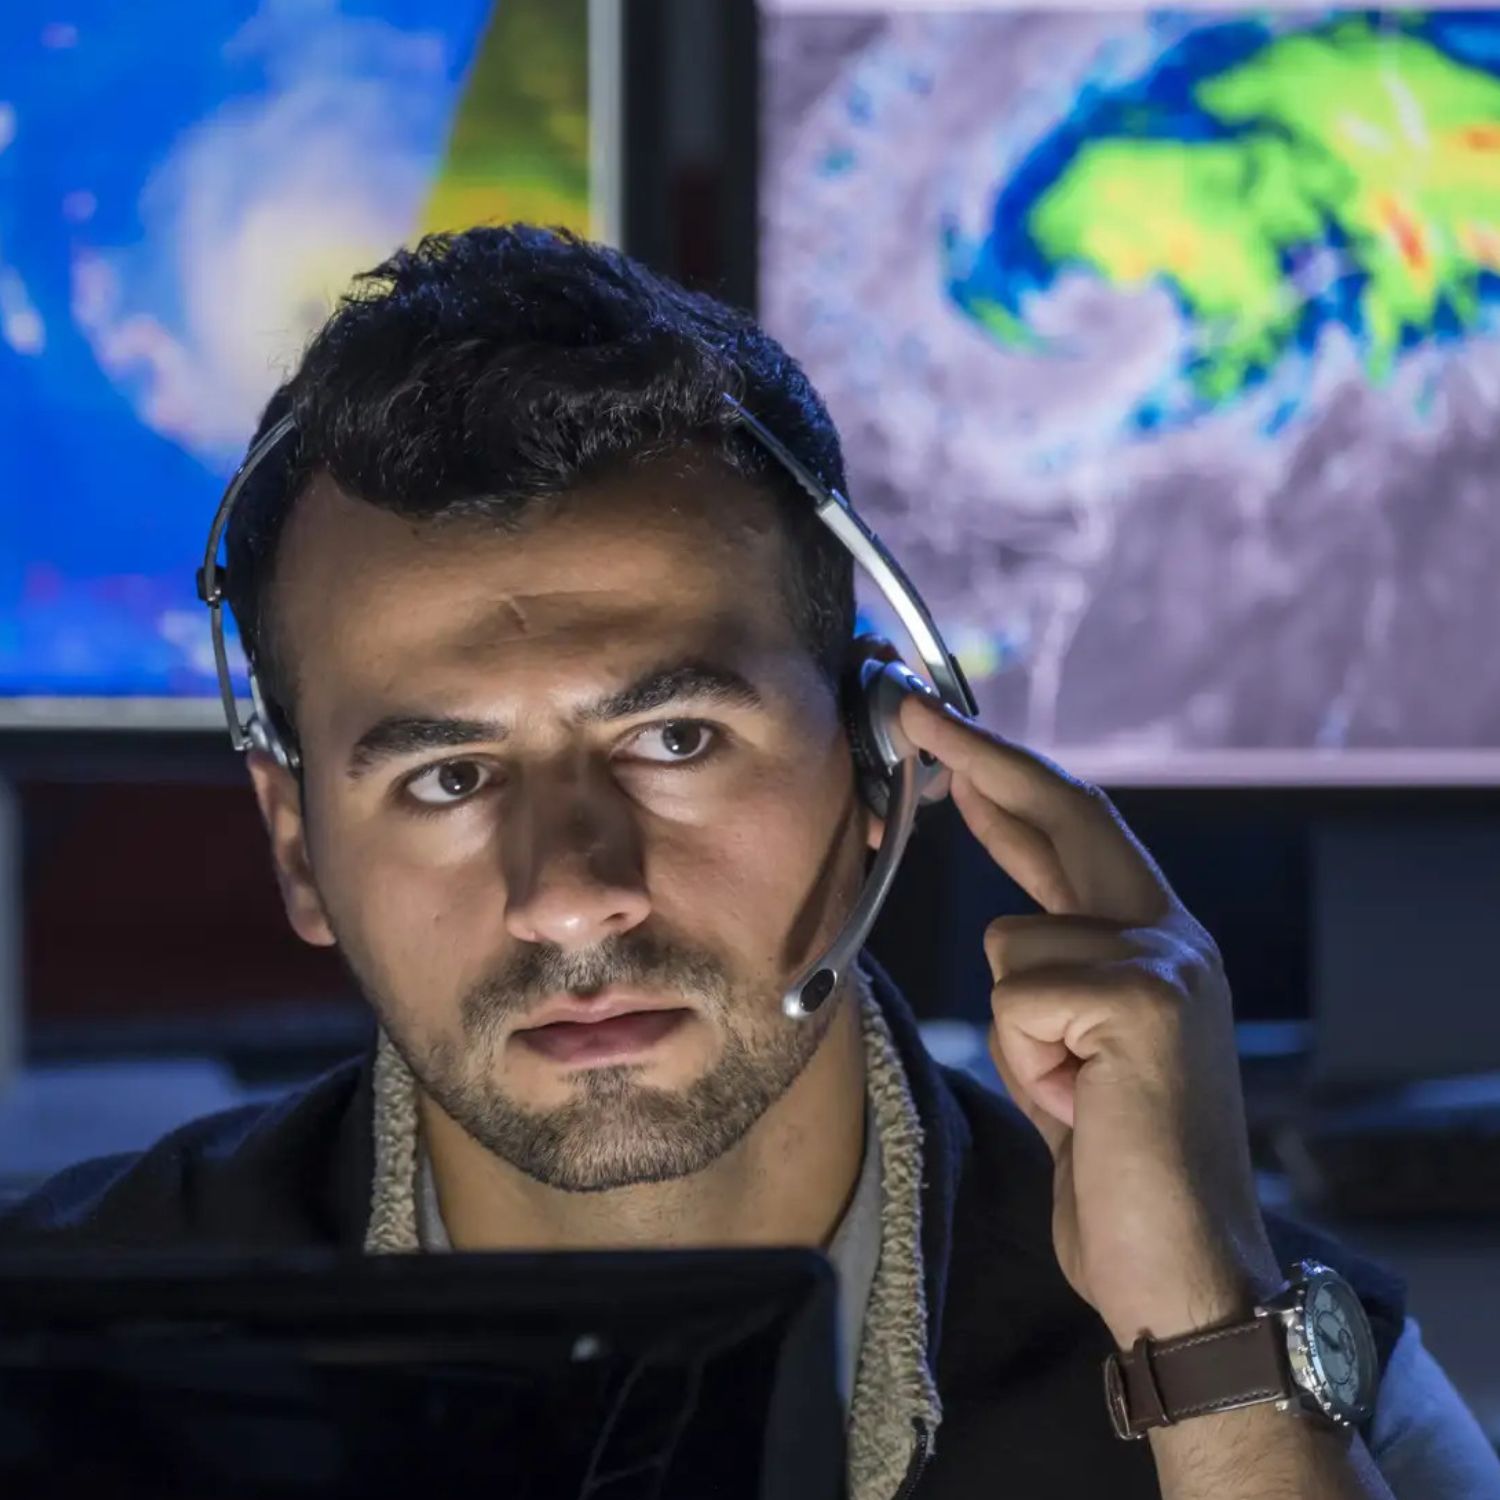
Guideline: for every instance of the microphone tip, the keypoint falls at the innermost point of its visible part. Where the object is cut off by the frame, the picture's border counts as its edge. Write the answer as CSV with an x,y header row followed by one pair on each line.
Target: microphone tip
x,y
803,1001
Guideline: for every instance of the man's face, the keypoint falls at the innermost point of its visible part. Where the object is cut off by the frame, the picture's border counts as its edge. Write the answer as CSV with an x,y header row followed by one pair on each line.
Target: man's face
x,y
577,804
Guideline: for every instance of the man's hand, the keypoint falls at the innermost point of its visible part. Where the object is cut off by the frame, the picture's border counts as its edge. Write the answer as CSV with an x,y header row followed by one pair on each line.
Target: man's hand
x,y
1113,1032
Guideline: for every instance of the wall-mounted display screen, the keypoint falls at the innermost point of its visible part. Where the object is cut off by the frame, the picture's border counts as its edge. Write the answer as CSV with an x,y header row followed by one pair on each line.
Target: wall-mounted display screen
x,y
185,190
1166,351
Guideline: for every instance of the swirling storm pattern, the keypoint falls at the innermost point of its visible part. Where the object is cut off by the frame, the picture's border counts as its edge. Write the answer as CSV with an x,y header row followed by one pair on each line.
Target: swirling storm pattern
x,y
185,190
1347,173
1166,350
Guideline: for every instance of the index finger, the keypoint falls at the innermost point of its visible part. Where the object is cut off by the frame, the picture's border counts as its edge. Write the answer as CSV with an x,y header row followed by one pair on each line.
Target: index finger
x,y
1104,864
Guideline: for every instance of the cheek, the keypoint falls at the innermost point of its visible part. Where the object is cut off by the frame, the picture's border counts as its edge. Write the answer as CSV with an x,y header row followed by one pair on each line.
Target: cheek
x,y
418,919
750,870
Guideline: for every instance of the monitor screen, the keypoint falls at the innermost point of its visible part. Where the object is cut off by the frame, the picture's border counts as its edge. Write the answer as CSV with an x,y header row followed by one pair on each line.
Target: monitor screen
x,y
257,1375
1165,347
185,189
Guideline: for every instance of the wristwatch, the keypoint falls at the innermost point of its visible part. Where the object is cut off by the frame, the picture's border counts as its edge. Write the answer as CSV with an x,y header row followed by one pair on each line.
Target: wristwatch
x,y
1307,1349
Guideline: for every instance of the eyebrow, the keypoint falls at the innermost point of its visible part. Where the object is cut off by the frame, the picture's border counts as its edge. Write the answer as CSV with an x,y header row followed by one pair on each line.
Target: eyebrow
x,y
399,735
702,681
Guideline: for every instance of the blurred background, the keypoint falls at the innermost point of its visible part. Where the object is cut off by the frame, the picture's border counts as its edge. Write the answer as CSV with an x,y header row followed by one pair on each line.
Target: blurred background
x,y
1166,351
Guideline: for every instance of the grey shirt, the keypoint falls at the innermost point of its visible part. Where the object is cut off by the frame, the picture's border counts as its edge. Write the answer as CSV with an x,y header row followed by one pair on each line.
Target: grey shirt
x,y
1423,1438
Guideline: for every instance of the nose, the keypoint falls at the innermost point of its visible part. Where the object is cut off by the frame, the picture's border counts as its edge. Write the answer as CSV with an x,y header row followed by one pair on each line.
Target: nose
x,y
573,871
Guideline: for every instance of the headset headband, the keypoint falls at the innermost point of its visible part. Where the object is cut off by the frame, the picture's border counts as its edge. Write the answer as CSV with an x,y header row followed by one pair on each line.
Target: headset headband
x,y
211,591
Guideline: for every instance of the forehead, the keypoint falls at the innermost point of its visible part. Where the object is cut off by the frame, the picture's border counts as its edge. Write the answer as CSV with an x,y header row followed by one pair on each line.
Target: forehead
x,y
663,559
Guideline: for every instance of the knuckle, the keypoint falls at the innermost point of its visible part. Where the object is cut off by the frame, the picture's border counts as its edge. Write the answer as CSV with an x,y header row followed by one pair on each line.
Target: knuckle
x,y
999,938
1097,800
1207,954
1156,991
1196,956
1200,969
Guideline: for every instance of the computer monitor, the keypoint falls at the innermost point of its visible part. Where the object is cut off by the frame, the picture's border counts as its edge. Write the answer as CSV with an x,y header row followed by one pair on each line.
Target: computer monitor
x,y
1164,349
674,1375
185,189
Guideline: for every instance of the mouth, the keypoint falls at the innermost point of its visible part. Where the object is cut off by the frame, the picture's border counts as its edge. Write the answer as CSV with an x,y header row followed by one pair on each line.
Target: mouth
x,y
606,1029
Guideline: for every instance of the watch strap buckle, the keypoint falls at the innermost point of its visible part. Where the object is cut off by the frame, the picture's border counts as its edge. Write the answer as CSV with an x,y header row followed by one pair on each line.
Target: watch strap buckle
x,y
1136,1405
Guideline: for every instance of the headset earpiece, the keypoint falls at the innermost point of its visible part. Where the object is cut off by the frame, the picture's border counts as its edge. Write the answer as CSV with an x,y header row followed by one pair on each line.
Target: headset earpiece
x,y
872,775
874,691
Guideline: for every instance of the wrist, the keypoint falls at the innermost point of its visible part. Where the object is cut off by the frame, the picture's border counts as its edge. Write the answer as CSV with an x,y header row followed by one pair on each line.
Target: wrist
x,y
1206,1293
1256,1451
1308,1347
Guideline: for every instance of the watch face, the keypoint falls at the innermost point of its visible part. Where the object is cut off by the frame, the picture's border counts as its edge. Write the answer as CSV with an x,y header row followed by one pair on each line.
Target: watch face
x,y
1340,1348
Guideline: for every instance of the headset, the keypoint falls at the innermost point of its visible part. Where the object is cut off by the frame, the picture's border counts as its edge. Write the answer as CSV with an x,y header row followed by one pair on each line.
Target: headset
x,y
893,777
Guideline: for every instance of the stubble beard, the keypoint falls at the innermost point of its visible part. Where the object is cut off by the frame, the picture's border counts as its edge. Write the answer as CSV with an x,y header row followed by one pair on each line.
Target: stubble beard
x,y
617,1131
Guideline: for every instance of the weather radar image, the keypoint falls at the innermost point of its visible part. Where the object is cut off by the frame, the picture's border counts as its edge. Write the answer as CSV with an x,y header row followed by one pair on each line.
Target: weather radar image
x,y
1165,347
186,189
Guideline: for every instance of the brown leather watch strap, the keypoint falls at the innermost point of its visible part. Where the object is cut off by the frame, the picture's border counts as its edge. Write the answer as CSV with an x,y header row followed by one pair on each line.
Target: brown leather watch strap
x,y
1156,1384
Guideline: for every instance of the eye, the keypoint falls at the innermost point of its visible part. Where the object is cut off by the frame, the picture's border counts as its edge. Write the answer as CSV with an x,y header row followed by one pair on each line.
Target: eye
x,y
675,742
448,783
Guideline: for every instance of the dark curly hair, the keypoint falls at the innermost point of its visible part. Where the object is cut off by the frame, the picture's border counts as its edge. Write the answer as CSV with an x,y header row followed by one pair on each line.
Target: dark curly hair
x,y
482,371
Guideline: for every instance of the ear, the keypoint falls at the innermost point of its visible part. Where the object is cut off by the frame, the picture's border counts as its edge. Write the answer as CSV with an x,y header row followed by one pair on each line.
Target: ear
x,y
280,798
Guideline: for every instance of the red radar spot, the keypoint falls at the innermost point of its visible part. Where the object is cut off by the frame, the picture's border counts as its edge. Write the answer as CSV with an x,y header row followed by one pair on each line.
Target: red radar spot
x,y
1407,234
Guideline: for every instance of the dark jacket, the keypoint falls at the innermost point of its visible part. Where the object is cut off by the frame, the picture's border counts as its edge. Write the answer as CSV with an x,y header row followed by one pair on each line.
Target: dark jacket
x,y
1016,1353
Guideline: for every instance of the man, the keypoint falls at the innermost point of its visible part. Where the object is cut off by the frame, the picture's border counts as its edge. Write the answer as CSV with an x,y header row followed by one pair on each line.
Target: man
x,y
558,650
